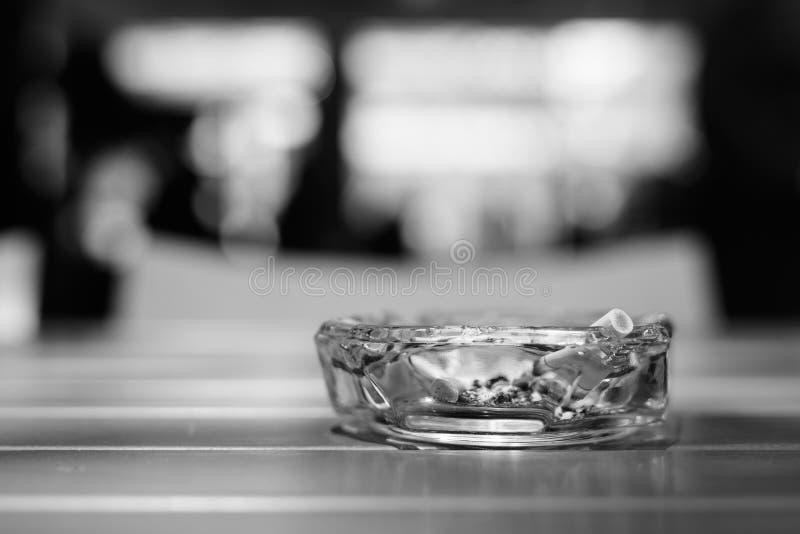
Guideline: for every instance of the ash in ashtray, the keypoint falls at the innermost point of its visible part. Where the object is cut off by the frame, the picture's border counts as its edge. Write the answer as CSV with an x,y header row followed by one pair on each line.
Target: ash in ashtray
x,y
499,391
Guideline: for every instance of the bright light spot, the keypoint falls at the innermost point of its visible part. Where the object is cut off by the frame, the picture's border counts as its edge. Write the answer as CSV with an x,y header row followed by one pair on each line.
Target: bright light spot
x,y
18,319
434,219
119,185
225,137
448,61
632,140
20,258
114,233
588,60
447,142
598,60
197,61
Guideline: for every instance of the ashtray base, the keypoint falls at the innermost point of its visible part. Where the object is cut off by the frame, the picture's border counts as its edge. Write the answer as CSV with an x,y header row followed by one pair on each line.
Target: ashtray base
x,y
658,434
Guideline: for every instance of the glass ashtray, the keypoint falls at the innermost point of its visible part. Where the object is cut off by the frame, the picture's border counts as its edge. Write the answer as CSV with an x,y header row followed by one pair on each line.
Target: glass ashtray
x,y
495,386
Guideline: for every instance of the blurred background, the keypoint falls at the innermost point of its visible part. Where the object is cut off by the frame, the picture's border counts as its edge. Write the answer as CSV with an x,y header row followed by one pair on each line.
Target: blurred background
x,y
634,154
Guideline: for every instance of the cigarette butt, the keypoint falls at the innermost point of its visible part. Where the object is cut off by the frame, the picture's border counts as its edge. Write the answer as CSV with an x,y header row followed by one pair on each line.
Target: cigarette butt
x,y
445,390
578,357
582,366
434,380
616,323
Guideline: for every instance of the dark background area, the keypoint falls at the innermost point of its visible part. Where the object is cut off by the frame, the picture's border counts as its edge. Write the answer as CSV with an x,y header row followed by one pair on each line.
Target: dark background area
x,y
65,117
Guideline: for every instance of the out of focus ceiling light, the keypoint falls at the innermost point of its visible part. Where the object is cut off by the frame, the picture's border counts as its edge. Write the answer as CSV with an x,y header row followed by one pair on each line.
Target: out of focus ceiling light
x,y
604,59
187,62
445,60
407,140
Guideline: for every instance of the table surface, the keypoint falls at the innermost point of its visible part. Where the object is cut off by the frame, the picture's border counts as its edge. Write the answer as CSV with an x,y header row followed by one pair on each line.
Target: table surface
x,y
210,425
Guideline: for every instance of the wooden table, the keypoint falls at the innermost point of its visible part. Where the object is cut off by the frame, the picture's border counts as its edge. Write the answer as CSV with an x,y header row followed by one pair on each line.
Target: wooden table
x,y
201,427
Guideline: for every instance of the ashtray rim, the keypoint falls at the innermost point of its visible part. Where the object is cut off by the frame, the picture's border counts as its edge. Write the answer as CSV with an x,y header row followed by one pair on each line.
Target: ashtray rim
x,y
367,329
